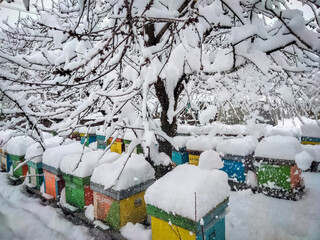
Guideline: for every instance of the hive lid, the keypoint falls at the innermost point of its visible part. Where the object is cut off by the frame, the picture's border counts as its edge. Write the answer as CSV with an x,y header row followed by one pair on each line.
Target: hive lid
x,y
187,186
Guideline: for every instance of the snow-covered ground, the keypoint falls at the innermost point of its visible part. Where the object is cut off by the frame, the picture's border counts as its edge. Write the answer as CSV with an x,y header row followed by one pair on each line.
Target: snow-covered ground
x,y
252,216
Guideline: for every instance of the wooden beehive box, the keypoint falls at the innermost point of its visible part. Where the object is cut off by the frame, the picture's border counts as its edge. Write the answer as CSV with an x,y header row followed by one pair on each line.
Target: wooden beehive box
x,y
117,145
278,174
78,192
310,134
195,146
193,213
101,143
180,157
21,171
117,208
237,157
53,181
35,171
167,225
119,189
5,161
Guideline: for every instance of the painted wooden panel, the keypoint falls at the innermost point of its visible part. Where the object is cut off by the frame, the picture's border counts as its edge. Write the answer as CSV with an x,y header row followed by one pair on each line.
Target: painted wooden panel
x,y
162,230
234,169
50,183
133,209
194,159
116,146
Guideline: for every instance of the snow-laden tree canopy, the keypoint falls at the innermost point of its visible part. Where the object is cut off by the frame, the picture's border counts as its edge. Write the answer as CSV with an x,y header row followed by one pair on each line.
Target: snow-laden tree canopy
x,y
122,63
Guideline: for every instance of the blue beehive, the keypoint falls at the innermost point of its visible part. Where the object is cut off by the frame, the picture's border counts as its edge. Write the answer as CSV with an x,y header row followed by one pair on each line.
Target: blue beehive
x,y
237,157
180,157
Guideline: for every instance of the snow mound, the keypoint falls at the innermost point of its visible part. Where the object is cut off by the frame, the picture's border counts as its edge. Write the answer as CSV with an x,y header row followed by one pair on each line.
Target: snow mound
x,y
123,174
175,192
203,143
35,151
313,150
135,231
80,165
238,146
181,141
210,160
4,137
278,147
53,156
109,157
304,160
18,145
289,131
310,131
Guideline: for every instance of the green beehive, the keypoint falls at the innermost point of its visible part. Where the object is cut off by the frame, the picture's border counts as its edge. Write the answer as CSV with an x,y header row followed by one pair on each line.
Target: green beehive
x,y
78,191
35,171
21,171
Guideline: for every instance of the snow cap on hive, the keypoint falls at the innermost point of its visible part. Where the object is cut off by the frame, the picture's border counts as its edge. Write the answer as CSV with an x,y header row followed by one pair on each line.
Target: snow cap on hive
x,y
53,156
35,151
136,170
18,145
238,146
80,165
278,147
177,191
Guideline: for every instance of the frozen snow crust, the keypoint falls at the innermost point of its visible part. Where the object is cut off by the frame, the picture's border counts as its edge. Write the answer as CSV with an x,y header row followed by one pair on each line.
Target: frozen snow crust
x,y
136,170
279,147
175,192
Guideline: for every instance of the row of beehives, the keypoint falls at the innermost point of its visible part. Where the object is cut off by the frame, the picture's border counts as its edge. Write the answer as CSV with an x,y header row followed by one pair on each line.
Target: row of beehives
x,y
118,201
272,165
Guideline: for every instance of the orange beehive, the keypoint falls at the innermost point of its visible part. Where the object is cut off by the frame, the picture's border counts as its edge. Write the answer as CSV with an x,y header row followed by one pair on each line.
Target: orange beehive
x,y
53,184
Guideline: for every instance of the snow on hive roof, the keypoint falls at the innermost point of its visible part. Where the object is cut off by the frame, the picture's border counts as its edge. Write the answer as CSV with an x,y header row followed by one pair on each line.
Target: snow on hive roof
x,y
181,141
35,151
18,145
53,156
136,171
72,165
310,131
203,143
4,137
238,146
92,130
285,131
175,192
278,147
109,157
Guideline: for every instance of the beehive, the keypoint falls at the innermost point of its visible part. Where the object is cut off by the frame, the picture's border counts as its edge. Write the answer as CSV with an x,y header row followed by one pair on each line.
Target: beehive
x,y
277,172
126,144
181,156
101,143
282,174
21,171
310,140
117,208
53,181
87,139
117,145
78,192
194,157
168,226
5,161
183,210
34,170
